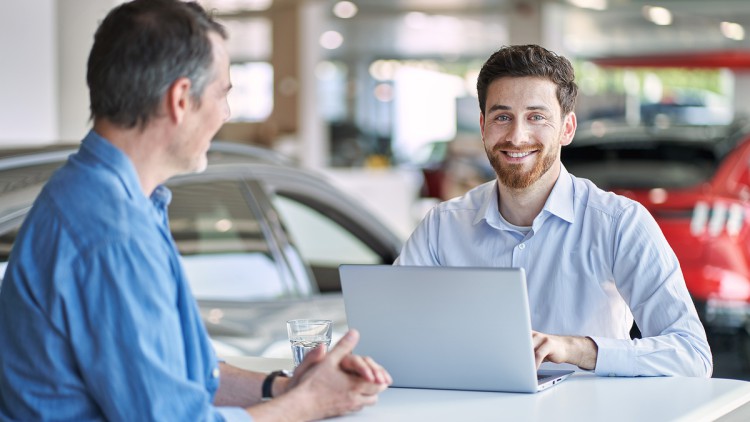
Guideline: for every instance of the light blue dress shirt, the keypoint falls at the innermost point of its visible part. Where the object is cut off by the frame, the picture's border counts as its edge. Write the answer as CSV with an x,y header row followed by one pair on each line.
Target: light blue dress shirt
x,y
593,259
97,321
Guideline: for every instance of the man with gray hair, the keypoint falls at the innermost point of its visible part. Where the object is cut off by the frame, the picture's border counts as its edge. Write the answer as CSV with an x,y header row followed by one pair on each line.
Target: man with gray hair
x,y
97,321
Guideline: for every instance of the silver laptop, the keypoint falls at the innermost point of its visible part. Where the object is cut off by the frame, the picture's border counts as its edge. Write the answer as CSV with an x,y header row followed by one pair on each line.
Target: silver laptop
x,y
458,328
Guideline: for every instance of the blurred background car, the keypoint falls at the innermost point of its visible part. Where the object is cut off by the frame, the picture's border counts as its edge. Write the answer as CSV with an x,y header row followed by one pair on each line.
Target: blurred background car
x,y
682,106
453,167
260,238
695,181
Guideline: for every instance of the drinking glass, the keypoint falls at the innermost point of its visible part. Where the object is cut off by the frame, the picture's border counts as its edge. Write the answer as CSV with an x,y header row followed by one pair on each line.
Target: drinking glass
x,y
307,334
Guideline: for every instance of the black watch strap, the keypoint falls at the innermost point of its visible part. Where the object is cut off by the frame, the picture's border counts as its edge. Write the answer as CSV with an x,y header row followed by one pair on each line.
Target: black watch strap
x,y
266,389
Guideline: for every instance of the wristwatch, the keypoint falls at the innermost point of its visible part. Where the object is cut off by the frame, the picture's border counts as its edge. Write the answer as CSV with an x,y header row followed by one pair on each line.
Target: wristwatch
x,y
268,383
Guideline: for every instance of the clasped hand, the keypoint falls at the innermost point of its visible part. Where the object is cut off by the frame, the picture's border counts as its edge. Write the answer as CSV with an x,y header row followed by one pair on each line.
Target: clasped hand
x,y
338,382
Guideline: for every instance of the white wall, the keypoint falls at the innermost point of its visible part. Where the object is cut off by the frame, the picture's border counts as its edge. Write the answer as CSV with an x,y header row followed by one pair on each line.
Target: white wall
x,y
44,46
28,85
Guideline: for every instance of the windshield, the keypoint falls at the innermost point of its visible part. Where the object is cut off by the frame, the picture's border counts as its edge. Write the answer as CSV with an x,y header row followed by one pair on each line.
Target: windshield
x,y
641,166
639,160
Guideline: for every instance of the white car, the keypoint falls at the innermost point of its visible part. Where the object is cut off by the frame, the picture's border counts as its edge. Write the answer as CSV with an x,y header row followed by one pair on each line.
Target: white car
x,y
261,240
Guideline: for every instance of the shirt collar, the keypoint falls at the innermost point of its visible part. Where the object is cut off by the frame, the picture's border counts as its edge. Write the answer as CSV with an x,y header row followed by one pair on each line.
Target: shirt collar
x,y
560,202
488,211
97,148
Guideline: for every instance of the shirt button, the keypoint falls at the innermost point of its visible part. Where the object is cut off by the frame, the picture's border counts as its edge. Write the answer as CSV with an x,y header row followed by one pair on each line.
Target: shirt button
x,y
521,246
215,373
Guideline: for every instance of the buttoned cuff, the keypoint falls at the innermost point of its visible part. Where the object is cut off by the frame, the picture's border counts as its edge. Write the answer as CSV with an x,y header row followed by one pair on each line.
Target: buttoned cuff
x,y
615,358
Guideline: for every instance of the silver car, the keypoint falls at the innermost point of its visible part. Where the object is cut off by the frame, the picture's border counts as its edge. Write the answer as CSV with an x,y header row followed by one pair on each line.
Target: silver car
x,y
261,239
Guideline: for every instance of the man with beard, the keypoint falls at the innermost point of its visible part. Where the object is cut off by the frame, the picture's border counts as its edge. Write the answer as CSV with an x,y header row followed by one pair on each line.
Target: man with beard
x,y
595,261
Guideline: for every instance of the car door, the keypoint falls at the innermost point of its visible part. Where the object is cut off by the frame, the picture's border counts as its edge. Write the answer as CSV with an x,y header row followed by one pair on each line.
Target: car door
x,y
239,269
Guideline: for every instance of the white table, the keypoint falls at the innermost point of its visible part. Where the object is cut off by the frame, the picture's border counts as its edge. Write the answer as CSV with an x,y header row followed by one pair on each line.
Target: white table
x,y
582,397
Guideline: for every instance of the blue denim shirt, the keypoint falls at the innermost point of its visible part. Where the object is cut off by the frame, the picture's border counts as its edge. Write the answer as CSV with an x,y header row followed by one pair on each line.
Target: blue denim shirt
x,y
97,320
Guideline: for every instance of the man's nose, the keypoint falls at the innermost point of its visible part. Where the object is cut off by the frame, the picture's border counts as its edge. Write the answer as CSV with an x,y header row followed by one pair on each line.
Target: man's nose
x,y
518,133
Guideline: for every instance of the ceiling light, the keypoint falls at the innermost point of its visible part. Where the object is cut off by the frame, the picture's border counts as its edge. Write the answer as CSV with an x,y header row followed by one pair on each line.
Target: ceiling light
x,y
345,9
416,20
234,6
331,40
733,31
589,4
383,92
223,225
384,70
657,15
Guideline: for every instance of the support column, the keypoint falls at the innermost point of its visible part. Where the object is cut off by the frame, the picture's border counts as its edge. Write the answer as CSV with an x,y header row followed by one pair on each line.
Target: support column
x,y
525,22
313,132
537,22
285,24
296,52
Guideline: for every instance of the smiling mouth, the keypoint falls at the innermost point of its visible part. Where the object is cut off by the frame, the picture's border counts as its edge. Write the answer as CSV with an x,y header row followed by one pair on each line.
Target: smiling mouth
x,y
512,154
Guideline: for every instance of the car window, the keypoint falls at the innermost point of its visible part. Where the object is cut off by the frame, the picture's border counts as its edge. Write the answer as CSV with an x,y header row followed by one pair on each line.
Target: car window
x,y
222,243
223,249
641,165
319,238
323,243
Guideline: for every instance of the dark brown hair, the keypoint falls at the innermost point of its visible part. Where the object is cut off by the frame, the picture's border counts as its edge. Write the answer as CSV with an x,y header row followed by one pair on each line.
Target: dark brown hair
x,y
529,60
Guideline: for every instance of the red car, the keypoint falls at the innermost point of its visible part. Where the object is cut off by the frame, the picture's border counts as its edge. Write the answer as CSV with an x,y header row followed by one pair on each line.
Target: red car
x,y
695,181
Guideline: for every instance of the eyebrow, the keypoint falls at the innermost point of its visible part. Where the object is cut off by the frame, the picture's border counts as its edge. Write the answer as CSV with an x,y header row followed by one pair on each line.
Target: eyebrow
x,y
497,107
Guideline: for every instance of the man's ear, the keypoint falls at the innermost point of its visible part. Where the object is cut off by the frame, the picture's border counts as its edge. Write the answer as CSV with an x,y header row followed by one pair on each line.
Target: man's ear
x,y
178,99
569,129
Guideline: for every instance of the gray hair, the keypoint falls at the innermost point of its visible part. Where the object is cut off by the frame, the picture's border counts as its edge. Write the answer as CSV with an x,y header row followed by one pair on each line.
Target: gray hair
x,y
140,49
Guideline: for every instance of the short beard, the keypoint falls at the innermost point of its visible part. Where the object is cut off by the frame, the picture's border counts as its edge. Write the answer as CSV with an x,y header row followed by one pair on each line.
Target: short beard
x,y
511,175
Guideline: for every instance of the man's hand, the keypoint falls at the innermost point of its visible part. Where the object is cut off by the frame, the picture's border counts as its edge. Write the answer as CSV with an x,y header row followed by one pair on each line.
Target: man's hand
x,y
366,368
580,351
327,384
